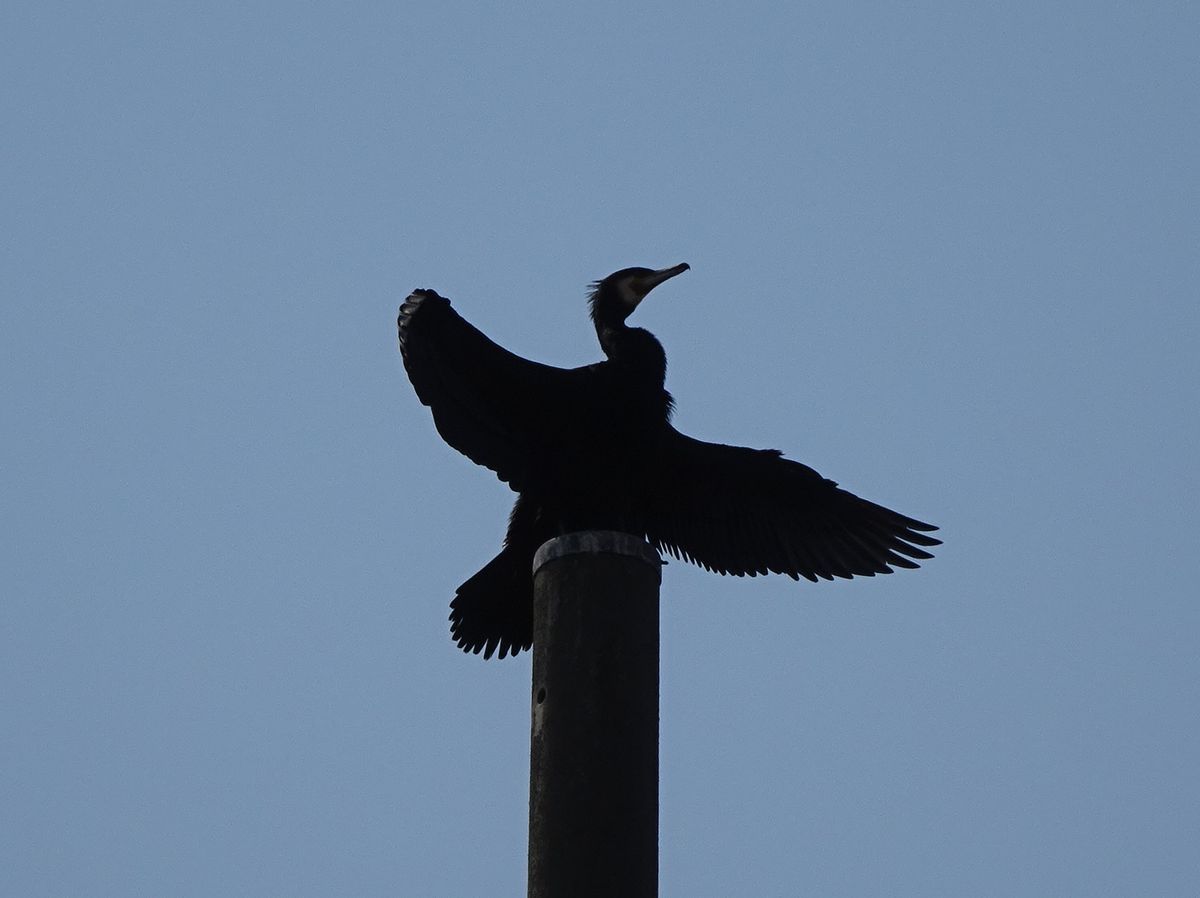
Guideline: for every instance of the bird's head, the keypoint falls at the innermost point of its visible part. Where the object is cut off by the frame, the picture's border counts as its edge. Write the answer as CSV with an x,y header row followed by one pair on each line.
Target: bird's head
x,y
619,294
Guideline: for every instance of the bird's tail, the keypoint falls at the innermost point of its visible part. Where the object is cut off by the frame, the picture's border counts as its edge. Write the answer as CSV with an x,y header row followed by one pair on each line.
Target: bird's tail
x,y
494,608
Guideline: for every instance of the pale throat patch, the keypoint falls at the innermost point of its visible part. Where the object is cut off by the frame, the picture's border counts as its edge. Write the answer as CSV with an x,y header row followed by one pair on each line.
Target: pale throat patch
x,y
629,298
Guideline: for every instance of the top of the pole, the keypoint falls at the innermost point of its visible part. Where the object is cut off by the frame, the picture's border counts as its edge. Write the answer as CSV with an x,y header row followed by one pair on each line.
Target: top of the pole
x,y
595,542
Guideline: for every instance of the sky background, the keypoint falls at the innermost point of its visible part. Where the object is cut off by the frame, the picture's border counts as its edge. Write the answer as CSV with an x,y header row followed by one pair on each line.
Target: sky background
x,y
945,253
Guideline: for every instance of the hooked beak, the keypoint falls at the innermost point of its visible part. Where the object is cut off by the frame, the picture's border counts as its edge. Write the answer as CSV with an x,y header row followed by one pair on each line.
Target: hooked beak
x,y
664,274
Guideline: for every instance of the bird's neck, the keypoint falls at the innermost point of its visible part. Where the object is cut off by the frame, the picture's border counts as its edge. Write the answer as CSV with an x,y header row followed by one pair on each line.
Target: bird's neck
x,y
633,348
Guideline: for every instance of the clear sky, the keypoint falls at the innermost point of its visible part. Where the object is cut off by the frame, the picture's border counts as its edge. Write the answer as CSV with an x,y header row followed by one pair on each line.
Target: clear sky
x,y
946,253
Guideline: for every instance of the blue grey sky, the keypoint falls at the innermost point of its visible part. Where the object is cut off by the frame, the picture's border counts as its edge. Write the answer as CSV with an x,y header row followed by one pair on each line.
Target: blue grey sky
x,y
945,253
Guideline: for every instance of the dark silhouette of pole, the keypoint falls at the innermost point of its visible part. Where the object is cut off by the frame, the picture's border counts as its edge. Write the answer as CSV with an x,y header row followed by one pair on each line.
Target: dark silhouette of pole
x,y
593,779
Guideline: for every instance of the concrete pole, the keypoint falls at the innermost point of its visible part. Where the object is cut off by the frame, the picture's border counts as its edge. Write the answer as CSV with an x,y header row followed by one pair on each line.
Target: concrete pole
x,y
593,775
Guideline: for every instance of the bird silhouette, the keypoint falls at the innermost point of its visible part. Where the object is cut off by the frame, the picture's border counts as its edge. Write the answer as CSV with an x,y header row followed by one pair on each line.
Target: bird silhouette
x,y
593,448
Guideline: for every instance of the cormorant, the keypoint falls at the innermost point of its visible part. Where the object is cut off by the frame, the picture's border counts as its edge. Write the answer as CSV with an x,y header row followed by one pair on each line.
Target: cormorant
x,y
593,448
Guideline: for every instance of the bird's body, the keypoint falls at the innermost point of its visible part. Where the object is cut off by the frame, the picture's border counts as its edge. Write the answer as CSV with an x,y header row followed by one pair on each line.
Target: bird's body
x,y
593,448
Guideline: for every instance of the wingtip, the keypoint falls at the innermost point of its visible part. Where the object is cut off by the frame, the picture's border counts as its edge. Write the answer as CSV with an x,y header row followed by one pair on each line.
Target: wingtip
x,y
409,307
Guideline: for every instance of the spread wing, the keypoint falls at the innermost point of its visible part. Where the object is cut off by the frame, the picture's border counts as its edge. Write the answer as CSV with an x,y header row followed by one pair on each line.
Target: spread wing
x,y
488,403
750,511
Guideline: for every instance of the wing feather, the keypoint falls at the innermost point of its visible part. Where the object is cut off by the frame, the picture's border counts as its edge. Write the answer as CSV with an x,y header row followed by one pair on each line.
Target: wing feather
x,y
487,402
749,511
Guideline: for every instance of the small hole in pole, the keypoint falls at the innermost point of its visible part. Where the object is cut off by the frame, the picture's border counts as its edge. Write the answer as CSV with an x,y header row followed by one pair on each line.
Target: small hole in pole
x,y
541,695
